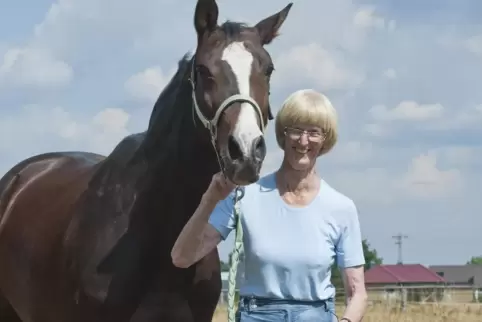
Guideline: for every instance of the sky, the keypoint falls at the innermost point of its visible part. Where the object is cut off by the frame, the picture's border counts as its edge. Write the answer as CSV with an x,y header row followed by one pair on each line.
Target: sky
x,y
404,77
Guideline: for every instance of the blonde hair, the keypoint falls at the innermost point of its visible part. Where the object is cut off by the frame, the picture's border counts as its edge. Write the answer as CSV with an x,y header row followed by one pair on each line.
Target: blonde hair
x,y
308,107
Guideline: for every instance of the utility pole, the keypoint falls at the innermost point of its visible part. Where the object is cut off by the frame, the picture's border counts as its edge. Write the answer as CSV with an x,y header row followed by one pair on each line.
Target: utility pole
x,y
399,241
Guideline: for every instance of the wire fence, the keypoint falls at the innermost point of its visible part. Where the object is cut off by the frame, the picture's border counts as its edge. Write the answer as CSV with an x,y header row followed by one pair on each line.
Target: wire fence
x,y
384,311
402,296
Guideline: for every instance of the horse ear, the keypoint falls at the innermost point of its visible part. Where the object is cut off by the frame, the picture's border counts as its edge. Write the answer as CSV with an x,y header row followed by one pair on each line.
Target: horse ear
x,y
268,28
205,16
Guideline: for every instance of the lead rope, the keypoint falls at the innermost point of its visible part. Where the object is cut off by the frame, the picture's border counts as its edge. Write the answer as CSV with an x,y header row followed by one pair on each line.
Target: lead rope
x,y
238,245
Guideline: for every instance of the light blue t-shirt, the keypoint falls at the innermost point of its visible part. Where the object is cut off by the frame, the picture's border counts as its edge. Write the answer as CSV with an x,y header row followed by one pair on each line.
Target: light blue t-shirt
x,y
289,251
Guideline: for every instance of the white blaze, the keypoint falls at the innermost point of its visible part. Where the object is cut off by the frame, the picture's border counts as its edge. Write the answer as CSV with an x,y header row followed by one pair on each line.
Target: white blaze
x,y
246,129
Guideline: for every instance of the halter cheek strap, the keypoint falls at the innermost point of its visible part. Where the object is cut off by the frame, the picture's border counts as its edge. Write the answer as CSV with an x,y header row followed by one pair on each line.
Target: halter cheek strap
x,y
212,125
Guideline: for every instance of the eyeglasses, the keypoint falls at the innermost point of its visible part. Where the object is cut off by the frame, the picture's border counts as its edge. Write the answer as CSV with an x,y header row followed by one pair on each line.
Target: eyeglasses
x,y
295,134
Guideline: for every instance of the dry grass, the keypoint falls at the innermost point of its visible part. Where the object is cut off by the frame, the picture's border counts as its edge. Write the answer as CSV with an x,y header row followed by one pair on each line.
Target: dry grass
x,y
413,313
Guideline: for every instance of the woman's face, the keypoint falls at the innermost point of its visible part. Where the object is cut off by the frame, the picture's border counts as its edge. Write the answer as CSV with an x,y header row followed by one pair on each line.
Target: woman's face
x,y
302,146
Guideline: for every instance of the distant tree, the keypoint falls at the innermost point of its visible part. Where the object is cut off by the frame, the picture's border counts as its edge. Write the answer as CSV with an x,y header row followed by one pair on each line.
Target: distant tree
x,y
475,260
371,256
224,267
228,264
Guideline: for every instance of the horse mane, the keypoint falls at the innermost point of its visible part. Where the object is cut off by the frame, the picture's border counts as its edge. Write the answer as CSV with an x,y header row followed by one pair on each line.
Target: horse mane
x,y
170,110
136,187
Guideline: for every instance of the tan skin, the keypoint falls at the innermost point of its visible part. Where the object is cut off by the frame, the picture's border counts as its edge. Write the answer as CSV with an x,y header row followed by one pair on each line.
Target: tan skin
x,y
298,184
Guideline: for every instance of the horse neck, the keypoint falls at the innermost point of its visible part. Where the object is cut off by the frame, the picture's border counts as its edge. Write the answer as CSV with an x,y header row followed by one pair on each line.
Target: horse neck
x,y
184,151
181,163
194,163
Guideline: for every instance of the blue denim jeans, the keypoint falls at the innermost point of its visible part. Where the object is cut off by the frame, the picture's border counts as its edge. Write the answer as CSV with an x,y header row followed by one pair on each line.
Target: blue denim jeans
x,y
265,310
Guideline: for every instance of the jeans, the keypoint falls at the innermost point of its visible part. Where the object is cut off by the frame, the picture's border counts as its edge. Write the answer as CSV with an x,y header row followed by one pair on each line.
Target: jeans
x,y
265,310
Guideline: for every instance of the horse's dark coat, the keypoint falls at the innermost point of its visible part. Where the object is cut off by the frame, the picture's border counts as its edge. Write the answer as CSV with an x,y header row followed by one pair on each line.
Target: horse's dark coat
x,y
88,238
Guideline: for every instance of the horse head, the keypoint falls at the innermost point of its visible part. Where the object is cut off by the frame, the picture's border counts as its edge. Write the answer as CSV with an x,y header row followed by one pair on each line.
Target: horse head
x,y
230,77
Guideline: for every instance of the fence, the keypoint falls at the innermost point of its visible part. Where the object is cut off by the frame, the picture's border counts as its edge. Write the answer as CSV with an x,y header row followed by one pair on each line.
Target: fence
x,y
399,295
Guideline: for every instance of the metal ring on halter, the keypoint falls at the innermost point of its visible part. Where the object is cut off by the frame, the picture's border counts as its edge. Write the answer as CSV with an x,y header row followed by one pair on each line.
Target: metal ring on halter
x,y
238,194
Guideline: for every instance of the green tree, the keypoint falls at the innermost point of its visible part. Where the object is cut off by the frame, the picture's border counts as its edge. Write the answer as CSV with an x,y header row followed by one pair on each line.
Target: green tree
x,y
224,267
475,260
228,264
371,256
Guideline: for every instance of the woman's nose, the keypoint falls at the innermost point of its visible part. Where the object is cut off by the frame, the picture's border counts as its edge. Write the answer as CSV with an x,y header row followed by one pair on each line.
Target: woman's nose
x,y
304,139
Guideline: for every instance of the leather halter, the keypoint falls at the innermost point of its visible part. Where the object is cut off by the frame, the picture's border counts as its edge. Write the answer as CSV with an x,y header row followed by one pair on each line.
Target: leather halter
x,y
212,124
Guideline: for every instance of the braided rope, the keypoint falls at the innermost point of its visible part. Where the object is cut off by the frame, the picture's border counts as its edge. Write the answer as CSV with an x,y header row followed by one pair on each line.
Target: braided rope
x,y
238,245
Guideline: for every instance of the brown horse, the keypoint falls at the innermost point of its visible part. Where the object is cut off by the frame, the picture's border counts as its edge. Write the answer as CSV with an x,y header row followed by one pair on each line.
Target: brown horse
x,y
87,238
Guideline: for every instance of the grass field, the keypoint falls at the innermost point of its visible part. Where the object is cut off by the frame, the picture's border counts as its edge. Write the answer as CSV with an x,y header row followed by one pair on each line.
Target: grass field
x,y
413,313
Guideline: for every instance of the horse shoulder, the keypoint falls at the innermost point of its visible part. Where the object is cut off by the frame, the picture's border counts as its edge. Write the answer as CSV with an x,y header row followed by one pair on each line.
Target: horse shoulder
x,y
102,216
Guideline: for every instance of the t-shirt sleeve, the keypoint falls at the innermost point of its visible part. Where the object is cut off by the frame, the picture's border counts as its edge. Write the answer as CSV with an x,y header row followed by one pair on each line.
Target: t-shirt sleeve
x,y
349,248
222,217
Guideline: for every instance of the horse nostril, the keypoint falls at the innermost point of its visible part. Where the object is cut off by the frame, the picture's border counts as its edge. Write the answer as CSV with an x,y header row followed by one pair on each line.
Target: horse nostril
x,y
234,149
259,148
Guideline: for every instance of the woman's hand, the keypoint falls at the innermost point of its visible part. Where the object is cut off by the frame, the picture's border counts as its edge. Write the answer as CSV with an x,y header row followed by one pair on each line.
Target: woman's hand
x,y
219,188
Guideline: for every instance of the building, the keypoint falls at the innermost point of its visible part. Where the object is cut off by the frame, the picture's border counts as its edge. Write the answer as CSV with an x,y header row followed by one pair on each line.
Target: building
x,y
402,283
464,282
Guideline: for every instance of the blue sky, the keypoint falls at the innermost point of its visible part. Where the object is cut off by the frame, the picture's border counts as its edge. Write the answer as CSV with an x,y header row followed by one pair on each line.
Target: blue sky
x,y
403,76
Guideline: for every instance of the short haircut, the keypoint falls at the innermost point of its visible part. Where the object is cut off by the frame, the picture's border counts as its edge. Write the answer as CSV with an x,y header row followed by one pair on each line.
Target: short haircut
x,y
308,107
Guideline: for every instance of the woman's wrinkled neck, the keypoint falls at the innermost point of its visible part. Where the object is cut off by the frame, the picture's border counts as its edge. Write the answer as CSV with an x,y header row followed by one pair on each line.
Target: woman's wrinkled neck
x,y
296,181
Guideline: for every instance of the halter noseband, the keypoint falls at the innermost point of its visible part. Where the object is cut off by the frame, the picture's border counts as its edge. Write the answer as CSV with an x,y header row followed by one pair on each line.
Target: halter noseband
x,y
212,125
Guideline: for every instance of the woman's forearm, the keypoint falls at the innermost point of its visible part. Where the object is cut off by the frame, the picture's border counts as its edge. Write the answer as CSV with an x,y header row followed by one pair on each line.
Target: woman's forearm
x,y
356,306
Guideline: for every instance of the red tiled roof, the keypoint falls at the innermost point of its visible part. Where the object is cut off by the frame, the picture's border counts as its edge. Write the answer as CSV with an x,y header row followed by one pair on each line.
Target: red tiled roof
x,y
394,274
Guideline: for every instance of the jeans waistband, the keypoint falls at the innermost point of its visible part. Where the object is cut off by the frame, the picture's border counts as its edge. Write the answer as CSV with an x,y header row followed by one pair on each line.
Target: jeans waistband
x,y
259,301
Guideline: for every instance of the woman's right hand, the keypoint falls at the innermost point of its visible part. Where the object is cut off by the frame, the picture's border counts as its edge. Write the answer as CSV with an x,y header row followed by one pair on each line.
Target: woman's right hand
x,y
219,188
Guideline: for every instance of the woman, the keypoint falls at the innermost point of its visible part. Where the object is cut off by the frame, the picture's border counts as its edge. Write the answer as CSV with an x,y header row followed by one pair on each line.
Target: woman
x,y
295,226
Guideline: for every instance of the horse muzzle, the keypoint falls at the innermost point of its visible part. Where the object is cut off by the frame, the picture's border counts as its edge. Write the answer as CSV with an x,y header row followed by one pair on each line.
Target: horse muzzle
x,y
243,160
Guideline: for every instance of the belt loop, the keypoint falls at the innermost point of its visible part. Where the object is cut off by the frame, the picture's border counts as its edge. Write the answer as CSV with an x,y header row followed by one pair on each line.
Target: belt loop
x,y
252,303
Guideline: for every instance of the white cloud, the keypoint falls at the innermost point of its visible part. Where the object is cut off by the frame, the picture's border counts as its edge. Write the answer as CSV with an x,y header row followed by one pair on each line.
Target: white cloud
x,y
351,152
424,117
34,123
373,186
147,84
321,67
384,186
407,110
375,129
107,128
425,180
474,44
458,156
368,18
111,120
33,67
390,73
470,117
